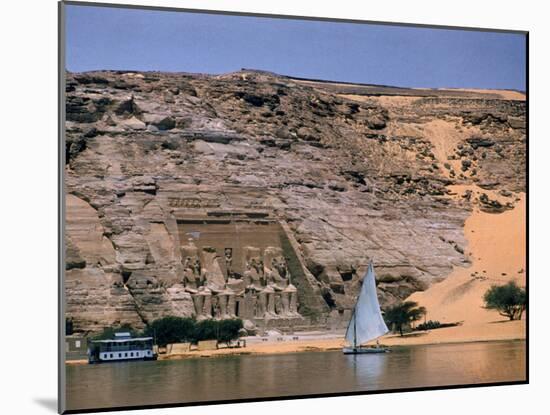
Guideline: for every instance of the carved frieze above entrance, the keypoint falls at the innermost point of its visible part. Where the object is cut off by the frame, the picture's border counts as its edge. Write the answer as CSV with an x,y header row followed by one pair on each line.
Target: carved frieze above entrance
x,y
192,202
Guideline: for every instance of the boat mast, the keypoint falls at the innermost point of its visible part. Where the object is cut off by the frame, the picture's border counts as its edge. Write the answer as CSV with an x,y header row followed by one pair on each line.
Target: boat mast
x,y
355,322
354,331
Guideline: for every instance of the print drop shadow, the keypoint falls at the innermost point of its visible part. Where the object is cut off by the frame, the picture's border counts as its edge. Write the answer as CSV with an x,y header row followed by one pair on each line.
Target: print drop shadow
x,y
48,403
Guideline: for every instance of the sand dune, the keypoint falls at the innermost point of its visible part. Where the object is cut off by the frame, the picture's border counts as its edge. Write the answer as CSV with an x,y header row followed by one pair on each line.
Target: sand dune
x,y
496,248
503,93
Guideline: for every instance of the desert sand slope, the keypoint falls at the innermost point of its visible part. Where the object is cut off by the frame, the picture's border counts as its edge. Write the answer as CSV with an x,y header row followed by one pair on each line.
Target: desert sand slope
x,y
502,93
496,248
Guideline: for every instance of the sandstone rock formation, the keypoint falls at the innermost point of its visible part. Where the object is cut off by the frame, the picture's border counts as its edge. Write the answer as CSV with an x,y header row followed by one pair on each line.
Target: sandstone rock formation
x,y
328,175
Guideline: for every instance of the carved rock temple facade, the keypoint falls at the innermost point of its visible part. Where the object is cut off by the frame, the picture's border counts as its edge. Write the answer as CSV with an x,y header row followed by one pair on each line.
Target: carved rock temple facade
x,y
235,267
187,259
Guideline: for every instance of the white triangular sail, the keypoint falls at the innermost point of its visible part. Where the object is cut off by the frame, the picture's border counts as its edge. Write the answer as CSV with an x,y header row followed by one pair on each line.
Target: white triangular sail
x,y
367,322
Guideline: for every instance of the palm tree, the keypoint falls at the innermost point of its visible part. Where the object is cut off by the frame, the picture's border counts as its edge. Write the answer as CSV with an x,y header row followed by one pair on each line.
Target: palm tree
x,y
403,313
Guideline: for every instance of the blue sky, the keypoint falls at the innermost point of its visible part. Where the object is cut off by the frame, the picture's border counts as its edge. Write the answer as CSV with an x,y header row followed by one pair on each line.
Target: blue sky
x,y
134,39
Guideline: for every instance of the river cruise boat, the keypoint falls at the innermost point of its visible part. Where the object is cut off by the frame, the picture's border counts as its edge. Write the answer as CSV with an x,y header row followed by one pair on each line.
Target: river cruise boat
x,y
123,347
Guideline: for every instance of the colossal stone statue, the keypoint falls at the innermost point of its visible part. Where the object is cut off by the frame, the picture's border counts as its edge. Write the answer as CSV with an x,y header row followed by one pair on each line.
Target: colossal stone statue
x,y
231,305
253,274
261,304
228,254
269,294
236,285
292,293
192,278
224,303
211,270
202,300
215,306
207,303
264,292
279,304
285,302
198,302
275,268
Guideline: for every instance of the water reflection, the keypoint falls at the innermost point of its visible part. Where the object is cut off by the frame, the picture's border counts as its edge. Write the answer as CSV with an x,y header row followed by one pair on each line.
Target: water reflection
x,y
237,377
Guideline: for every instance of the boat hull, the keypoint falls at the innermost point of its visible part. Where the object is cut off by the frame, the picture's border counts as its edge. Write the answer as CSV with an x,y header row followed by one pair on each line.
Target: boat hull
x,y
142,359
365,350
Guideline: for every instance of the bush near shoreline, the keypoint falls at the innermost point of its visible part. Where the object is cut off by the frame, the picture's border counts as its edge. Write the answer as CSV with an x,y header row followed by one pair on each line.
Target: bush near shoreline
x,y
172,329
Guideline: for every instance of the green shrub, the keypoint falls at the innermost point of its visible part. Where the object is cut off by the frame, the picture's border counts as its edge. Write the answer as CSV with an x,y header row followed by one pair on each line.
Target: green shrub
x,y
206,330
429,325
171,329
229,329
432,325
402,314
69,327
509,300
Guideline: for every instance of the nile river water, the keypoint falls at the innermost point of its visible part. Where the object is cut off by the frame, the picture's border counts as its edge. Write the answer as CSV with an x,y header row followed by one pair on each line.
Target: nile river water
x,y
260,376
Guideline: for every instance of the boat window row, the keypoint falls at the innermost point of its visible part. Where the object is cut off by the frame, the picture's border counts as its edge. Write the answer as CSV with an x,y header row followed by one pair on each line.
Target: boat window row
x,y
122,347
127,354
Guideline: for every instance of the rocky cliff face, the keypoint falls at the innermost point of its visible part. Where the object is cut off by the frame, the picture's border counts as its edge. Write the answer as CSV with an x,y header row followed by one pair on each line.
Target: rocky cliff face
x,y
351,172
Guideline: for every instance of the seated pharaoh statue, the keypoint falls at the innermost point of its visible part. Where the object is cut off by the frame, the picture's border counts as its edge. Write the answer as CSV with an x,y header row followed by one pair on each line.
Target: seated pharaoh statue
x,y
275,268
253,274
192,275
233,280
211,270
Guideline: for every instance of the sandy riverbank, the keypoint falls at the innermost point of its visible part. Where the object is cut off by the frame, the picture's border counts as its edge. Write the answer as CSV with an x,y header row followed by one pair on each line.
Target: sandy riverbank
x,y
461,334
495,331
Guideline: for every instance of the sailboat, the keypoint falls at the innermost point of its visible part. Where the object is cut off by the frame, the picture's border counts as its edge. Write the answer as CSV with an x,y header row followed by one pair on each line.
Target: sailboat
x,y
366,323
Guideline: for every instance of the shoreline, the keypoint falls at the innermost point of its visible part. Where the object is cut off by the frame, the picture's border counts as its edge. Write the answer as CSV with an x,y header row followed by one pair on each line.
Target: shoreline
x,y
442,336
